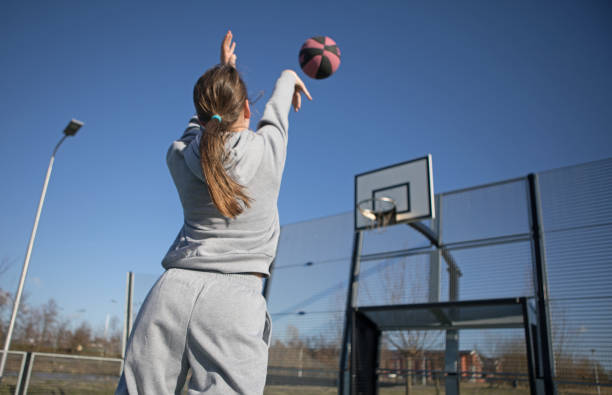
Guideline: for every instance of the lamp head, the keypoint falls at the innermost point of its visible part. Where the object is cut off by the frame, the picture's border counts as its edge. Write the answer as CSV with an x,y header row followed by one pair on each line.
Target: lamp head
x,y
73,127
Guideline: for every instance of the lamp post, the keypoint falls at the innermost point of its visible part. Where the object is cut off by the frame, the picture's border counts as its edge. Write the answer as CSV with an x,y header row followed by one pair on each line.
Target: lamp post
x,y
596,373
70,130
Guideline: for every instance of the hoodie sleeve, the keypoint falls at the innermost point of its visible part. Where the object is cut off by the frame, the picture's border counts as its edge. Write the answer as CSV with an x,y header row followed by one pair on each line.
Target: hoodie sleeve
x,y
274,124
193,128
186,149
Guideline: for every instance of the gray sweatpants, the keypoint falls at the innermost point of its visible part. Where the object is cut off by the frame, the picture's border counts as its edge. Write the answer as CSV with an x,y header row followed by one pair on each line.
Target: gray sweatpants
x,y
215,324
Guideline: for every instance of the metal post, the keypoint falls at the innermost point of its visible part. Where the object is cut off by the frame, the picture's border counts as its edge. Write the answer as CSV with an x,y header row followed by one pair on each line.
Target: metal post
x,y
451,358
451,354
351,300
434,260
266,289
28,375
22,385
434,276
541,283
22,370
529,324
129,296
26,263
596,372
365,354
453,276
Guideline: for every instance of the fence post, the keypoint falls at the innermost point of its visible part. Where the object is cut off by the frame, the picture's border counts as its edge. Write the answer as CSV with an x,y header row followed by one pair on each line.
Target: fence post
x,y
25,379
541,283
22,369
127,327
434,260
351,300
266,288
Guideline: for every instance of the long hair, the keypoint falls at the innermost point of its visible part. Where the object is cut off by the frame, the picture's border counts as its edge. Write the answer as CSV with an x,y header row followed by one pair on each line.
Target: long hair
x,y
220,91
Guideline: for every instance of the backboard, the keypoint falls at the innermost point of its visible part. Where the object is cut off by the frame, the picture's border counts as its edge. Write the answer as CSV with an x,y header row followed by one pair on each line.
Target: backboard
x,y
408,184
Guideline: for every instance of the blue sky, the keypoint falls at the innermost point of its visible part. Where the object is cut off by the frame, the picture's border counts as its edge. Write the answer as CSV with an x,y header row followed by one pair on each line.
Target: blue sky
x,y
492,90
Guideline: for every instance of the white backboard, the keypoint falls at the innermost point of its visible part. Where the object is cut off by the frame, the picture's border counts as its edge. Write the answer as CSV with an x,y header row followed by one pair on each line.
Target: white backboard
x,y
409,184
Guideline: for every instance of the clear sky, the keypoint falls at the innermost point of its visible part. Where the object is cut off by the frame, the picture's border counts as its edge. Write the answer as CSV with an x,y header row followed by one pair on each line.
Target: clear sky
x,y
492,89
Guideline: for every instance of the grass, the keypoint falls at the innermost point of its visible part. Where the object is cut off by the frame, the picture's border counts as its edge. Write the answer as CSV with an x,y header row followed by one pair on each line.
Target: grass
x,y
466,389
297,390
53,387
57,387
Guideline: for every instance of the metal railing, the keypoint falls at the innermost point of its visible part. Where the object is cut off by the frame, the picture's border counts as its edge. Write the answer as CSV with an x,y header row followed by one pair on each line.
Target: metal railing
x,y
60,374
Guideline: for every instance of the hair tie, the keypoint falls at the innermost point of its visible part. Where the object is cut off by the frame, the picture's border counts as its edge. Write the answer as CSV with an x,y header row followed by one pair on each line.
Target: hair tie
x,y
217,117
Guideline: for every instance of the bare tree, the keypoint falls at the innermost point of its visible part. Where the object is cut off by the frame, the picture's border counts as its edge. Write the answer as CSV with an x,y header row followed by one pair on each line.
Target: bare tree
x,y
5,308
28,326
5,299
50,318
5,265
81,338
63,334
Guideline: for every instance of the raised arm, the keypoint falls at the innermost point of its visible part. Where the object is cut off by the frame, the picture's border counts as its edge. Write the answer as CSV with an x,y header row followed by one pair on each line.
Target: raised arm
x,y
274,124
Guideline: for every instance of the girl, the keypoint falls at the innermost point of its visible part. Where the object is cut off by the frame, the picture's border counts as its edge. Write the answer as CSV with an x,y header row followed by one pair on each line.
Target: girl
x,y
206,312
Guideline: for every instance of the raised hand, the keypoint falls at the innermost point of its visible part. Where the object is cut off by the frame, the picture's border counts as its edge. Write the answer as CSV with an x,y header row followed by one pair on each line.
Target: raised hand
x,y
296,101
227,50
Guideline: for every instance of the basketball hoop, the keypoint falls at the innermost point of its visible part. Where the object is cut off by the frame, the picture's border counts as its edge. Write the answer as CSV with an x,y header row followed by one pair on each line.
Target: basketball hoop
x,y
380,212
396,194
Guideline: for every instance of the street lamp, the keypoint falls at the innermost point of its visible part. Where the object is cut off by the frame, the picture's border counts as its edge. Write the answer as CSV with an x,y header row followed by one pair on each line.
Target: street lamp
x,y
70,130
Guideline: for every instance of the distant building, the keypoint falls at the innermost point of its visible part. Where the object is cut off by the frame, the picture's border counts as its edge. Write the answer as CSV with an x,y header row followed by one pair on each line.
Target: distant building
x,y
428,363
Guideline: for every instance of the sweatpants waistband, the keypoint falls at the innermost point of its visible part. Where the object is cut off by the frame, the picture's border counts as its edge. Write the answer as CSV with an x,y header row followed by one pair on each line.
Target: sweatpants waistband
x,y
246,279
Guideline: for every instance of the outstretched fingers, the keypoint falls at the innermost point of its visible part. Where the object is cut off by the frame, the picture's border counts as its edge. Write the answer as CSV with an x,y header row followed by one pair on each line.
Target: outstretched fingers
x,y
296,101
227,49
303,88
299,88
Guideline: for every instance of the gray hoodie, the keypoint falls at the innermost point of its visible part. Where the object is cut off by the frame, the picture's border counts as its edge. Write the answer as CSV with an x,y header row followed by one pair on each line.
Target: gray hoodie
x,y
247,243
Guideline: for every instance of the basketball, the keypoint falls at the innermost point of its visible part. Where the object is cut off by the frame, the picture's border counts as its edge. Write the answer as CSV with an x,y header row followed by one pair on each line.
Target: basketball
x,y
319,57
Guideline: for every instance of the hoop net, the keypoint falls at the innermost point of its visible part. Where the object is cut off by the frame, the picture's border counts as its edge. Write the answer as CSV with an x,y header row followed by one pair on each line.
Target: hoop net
x,y
380,212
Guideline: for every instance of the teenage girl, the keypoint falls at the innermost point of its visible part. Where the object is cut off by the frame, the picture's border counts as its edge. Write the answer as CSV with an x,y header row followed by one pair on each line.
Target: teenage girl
x,y
206,313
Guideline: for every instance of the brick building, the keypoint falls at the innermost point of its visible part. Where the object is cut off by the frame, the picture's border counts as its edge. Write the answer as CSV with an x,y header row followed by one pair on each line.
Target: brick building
x,y
429,363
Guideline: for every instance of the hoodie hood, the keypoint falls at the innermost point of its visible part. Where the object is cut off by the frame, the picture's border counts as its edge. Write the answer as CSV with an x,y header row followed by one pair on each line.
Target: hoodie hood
x,y
244,153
